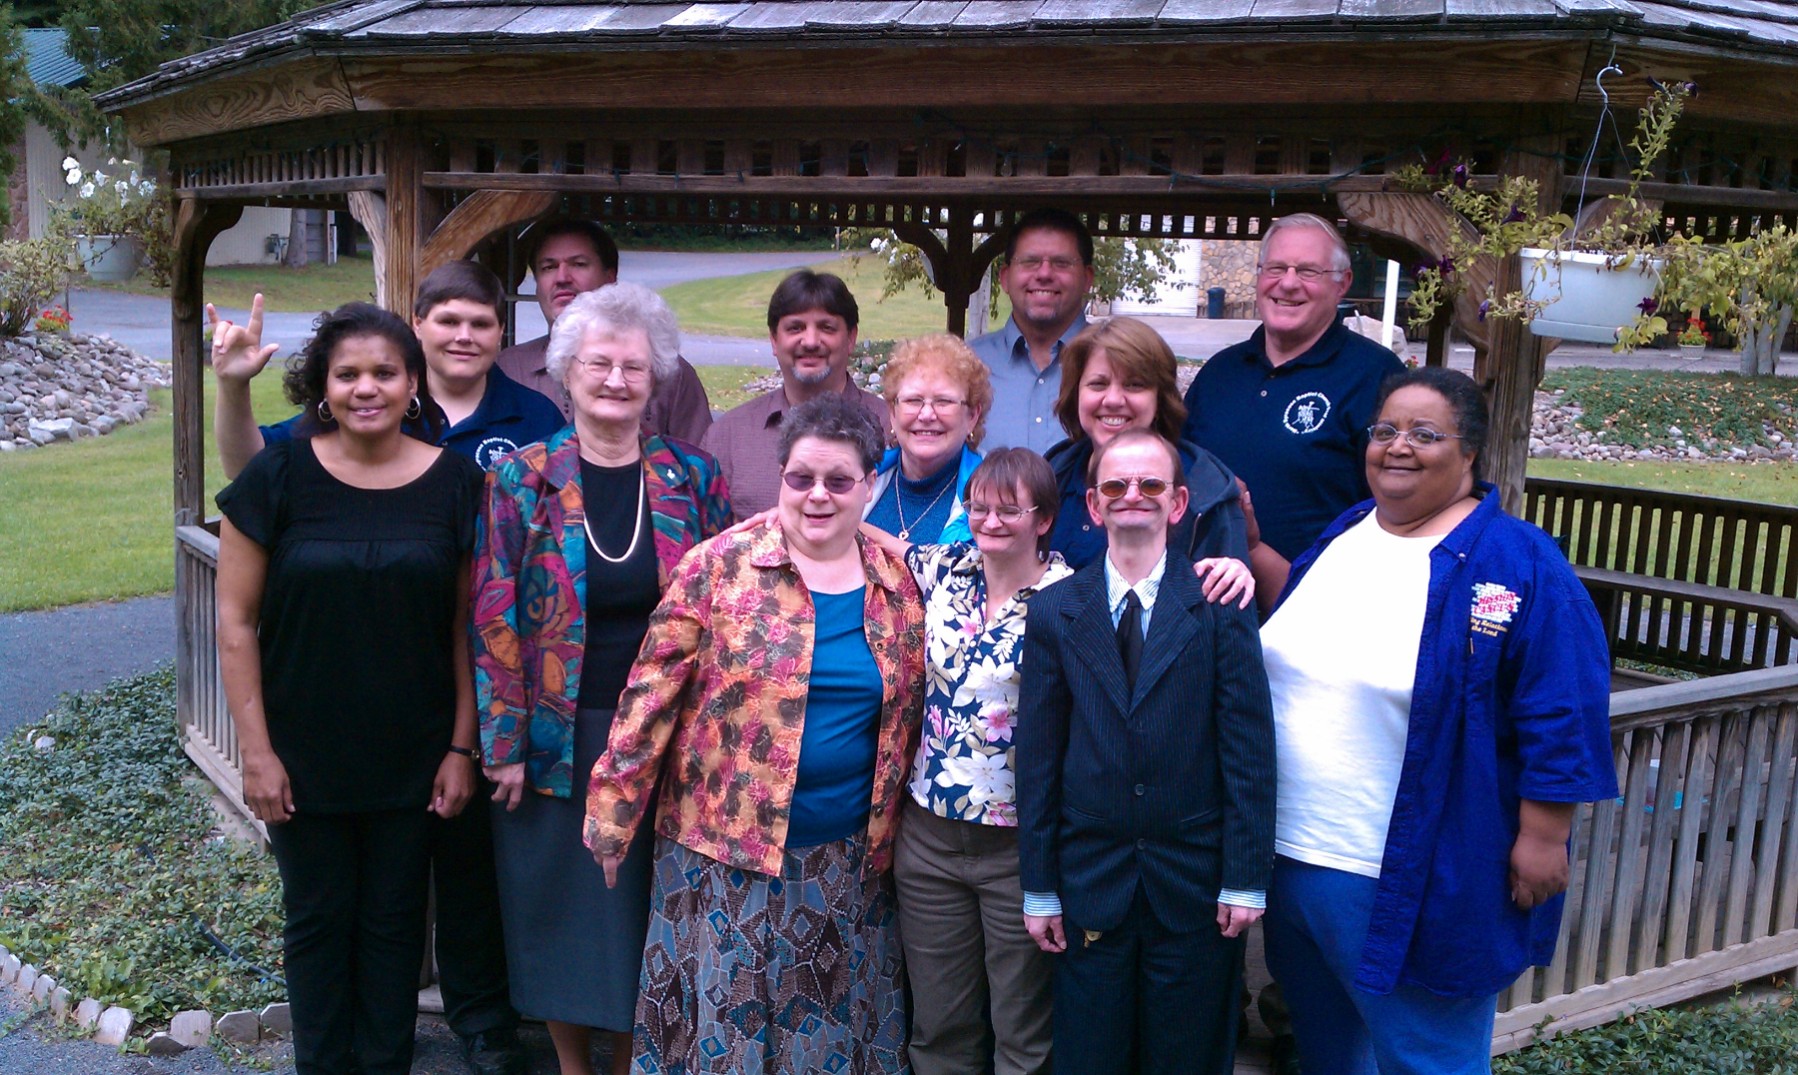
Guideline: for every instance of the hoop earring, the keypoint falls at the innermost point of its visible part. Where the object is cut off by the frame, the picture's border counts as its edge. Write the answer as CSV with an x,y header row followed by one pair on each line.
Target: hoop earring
x,y
415,409
324,412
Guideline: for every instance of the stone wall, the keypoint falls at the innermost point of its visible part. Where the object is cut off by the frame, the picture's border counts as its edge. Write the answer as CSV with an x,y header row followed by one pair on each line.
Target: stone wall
x,y
1229,264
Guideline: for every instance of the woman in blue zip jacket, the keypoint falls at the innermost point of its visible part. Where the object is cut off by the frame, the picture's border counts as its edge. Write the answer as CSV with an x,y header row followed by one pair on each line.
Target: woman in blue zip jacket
x,y
1441,685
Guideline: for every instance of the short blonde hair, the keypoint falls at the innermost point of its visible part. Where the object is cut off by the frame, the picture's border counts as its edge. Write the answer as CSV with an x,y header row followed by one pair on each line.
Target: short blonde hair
x,y
949,354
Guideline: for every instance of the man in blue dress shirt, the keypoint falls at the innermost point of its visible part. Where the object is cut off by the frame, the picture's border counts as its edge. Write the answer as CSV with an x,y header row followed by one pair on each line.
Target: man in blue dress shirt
x,y
1047,276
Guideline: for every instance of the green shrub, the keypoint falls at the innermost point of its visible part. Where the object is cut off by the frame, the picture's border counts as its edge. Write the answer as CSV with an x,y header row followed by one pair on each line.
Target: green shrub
x,y
31,272
1638,407
111,871
1730,1039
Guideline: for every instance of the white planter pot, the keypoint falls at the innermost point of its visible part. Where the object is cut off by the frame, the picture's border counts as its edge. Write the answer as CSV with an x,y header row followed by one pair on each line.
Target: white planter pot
x,y
109,259
1588,300
1691,352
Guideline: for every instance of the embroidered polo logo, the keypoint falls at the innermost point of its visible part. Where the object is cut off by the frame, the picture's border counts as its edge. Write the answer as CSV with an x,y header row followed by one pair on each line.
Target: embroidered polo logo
x,y
1307,412
1493,607
489,451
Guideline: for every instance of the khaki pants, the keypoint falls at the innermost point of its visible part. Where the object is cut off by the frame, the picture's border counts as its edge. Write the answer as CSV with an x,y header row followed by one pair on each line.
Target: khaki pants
x,y
961,922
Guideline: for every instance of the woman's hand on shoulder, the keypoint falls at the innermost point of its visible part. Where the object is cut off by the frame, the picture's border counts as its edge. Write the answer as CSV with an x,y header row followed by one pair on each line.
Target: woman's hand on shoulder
x,y
770,515
265,788
508,783
454,785
1225,579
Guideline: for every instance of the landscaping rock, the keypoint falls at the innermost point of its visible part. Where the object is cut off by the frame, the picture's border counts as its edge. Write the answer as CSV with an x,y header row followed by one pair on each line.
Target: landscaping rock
x,y
114,1026
240,1027
9,968
27,977
161,1044
44,744
41,991
191,1028
87,1013
277,1019
59,1004
55,388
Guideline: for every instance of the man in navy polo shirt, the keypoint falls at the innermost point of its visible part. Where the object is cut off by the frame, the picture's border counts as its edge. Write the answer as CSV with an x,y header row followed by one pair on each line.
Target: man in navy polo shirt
x,y
1288,408
456,316
486,415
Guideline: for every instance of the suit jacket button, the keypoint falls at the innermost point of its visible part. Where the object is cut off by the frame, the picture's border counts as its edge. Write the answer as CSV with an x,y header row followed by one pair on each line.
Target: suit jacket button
x,y
1142,845
1140,788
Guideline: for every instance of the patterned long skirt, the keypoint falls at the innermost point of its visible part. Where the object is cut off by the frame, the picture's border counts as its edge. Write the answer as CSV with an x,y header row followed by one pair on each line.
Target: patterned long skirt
x,y
749,974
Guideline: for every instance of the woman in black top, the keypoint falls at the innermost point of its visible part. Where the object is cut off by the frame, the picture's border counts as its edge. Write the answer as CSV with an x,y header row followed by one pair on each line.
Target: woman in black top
x,y
343,566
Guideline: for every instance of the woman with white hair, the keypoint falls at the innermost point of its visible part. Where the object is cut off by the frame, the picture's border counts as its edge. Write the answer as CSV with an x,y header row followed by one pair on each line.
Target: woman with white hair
x,y
562,598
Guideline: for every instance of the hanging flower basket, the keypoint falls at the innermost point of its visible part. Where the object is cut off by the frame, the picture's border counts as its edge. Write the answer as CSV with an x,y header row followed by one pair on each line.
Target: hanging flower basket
x,y
110,259
1586,296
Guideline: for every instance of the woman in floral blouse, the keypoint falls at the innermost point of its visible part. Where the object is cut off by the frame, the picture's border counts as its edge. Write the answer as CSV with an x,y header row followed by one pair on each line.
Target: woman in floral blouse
x,y
777,695
956,865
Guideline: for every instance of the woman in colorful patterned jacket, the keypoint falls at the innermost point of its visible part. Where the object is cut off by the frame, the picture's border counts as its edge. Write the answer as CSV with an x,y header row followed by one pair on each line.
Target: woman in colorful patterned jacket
x,y
781,684
562,600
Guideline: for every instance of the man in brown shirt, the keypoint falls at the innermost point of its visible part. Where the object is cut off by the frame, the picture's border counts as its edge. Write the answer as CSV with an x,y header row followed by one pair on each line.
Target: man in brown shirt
x,y
569,257
812,319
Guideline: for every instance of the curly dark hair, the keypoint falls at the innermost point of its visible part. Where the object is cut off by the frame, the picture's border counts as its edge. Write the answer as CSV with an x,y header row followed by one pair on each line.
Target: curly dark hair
x,y
1464,398
834,417
304,381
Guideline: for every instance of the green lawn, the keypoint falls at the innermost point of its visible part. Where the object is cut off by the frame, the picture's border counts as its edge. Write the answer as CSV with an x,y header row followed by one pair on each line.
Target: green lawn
x,y
738,305
93,520
1770,483
304,291
120,488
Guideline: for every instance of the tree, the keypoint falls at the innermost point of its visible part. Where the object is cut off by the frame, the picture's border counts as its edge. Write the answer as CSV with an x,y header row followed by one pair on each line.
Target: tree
x,y
117,41
15,91
1122,268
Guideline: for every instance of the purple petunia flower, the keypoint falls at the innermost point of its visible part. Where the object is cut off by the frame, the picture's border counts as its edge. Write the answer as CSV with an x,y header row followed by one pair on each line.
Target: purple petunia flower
x,y
1460,177
1485,306
1514,215
1648,306
1446,265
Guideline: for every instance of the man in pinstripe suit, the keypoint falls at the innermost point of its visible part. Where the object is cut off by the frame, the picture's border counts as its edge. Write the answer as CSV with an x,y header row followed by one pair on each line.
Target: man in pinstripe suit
x,y
1145,762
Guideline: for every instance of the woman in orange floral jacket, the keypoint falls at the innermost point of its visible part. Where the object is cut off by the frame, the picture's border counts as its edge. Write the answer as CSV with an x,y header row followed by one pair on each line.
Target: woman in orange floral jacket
x,y
778,696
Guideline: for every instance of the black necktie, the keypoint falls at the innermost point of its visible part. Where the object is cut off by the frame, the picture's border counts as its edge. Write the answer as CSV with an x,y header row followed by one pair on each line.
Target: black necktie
x,y
1130,637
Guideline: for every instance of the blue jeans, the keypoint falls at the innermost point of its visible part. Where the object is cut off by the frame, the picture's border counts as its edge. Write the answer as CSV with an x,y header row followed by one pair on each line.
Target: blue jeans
x,y
1316,924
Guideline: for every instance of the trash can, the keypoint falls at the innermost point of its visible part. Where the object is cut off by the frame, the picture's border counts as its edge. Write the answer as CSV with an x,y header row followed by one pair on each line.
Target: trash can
x,y
1214,303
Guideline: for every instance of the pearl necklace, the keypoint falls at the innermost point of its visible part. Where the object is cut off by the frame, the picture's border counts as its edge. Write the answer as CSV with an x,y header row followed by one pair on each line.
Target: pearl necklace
x,y
899,502
636,533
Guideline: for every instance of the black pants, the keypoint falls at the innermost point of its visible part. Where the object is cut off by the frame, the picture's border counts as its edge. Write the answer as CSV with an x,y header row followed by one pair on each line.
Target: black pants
x,y
1144,999
354,890
471,950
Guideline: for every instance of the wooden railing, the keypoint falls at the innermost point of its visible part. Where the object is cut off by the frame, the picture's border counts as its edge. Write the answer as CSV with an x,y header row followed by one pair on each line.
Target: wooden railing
x,y
1689,881
209,737
1697,583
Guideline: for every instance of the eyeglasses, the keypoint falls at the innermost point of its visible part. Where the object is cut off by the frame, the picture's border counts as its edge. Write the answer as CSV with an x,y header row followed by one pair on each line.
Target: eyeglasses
x,y
1384,433
914,405
834,484
1032,263
600,369
1112,488
1007,513
1307,273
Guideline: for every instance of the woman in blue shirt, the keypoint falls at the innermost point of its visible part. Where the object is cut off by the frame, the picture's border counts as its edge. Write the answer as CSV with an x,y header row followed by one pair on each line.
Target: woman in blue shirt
x,y
1441,687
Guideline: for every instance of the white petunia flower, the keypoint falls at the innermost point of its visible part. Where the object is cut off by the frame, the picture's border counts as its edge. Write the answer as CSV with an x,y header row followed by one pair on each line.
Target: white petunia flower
x,y
87,190
70,164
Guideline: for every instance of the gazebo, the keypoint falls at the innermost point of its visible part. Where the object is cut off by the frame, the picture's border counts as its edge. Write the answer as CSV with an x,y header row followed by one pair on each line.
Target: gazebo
x,y
447,125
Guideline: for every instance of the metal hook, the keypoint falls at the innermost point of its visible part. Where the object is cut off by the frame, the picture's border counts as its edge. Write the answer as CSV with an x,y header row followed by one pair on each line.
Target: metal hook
x,y
1610,67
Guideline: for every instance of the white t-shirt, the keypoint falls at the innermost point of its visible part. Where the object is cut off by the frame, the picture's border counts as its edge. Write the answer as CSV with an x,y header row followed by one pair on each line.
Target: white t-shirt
x,y
1341,655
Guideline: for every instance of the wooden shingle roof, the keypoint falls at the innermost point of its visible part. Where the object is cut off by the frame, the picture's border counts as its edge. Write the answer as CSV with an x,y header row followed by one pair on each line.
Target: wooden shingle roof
x,y
1766,29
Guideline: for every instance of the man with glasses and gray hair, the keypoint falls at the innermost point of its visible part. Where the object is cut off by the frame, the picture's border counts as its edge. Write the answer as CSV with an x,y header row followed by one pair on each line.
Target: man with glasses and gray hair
x,y
1288,408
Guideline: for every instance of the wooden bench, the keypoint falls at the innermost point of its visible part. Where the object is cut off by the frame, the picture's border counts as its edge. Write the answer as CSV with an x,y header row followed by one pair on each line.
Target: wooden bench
x,y
1692,625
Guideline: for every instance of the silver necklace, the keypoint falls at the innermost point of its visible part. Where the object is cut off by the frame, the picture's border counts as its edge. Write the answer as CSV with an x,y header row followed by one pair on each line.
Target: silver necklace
x,y
899,502
636,533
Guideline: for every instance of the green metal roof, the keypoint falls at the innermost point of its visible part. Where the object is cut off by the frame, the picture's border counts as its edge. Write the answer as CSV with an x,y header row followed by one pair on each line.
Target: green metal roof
x,y
47,59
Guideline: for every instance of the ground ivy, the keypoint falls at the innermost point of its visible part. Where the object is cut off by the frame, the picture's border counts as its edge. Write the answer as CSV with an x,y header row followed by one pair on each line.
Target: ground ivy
x,y
1728,1039
111,868
1639,407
